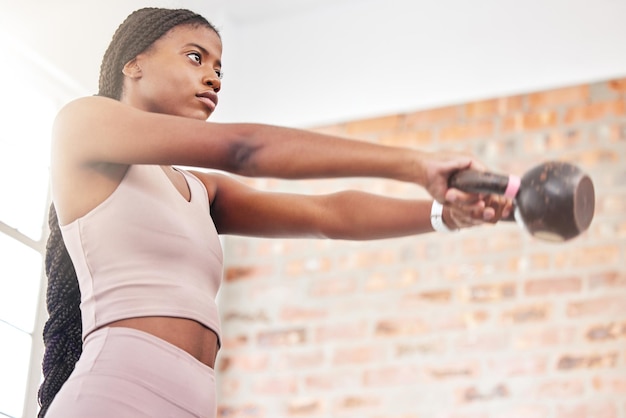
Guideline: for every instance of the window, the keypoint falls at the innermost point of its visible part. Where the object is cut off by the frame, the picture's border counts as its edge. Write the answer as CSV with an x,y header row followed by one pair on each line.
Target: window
x,y
30,96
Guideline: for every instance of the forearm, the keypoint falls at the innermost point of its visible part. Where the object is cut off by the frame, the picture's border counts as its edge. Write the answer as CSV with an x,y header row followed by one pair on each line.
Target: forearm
x,y
270,151
362,216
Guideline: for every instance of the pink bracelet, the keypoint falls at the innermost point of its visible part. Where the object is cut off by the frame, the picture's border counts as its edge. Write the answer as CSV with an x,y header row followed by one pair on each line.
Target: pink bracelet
x,y
512,186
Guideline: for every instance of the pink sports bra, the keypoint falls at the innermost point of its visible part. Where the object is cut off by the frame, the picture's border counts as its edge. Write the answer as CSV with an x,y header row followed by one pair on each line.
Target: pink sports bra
x,y
147,251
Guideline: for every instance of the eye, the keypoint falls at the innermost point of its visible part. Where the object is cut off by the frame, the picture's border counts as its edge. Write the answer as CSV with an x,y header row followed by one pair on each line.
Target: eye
x,y
219,74
196,57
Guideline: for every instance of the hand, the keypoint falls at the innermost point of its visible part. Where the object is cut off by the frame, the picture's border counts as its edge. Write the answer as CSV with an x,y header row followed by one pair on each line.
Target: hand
x,y
437,171
472,210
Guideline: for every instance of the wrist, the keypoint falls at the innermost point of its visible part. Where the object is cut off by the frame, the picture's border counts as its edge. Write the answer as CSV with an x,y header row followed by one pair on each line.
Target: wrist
x,y
440,218
414,168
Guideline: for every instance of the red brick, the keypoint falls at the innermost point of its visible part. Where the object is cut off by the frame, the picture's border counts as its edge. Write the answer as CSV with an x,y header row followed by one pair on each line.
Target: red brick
x,y
561,389
530,121
607,280
548,337
562,96
341,331
606,332
419,139
433,116
517,410
423,299
392,376
475,342
502,241
245,411
233,273
610,385
234,342
334,380
520,365
594,112
358,355
556,286
400,327
378,124
607,306
589,361
333,287
276,386
368,258
525,314
301,267
614,204
552,141
618,85
355,403
531,262
250,317
301,314
588,409
295,336
244,362
419,349
303,407
475,394
482,109
468,130
453,370
335,130
601,255
490,293
309,359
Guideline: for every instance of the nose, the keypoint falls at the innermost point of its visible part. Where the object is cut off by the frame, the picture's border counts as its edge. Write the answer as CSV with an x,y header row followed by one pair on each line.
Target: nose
x,y
212,80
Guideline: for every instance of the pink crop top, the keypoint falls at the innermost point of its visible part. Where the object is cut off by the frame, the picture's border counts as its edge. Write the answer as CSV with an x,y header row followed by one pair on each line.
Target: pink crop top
x,y
147,251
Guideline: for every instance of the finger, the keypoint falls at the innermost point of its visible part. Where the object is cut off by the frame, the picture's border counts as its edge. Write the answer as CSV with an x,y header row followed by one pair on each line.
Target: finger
x,y
476,165
501,205
461,198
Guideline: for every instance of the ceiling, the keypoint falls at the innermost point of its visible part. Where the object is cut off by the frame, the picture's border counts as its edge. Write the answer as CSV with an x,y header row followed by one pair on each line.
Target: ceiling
x,y
345,59
72,35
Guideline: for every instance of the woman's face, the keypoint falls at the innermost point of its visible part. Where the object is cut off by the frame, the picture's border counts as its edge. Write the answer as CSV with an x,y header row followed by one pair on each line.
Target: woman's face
x,y
178,75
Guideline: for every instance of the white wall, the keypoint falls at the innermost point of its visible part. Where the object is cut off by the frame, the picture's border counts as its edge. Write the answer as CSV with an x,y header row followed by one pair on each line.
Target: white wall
x,y
334,60
367,58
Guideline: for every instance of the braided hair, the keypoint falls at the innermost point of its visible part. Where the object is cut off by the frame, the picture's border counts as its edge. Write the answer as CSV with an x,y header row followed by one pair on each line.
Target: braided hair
x,y
62,332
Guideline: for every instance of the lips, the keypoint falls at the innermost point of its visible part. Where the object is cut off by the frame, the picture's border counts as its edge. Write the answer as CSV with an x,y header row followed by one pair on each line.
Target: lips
x,y
209,98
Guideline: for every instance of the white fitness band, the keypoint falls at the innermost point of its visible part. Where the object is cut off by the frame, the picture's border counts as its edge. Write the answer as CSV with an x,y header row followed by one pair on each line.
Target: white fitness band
x,y
436,218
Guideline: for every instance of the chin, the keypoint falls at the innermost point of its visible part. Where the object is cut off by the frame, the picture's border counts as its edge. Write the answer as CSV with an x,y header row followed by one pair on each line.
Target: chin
x,y
197,114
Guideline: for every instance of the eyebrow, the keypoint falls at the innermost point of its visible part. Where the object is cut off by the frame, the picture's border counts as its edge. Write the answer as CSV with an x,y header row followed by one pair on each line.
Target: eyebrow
x,y
203,50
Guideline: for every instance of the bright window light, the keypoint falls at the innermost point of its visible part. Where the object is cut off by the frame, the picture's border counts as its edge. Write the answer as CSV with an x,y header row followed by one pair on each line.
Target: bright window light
x,y
25,143
14,358
19,287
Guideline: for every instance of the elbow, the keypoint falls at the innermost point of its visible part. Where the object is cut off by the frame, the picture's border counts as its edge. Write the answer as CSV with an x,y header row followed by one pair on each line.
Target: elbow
x,y
241,159
242,154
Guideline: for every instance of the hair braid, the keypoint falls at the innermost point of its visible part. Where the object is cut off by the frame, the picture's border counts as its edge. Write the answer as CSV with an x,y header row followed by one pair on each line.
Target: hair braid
x,y
62,333
63,329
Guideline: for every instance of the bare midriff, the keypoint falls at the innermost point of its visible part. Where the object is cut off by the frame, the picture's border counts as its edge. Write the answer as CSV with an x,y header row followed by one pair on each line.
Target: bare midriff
x,y
186,334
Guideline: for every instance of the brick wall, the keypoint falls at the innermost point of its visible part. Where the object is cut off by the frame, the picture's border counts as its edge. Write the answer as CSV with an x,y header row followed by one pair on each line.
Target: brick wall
x,y
481,324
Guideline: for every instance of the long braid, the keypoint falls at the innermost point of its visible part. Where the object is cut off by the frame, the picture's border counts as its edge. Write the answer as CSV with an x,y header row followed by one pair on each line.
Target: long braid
x,y
62,333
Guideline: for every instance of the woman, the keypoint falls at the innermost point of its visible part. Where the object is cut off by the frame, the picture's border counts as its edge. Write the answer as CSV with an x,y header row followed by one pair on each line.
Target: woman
x,y
143,235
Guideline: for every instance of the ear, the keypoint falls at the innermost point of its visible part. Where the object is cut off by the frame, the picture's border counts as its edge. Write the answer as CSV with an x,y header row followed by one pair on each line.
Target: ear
x,y
132,69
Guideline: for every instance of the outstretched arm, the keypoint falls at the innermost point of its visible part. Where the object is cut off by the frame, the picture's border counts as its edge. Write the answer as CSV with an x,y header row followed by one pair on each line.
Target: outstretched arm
x,y
97,130
353,215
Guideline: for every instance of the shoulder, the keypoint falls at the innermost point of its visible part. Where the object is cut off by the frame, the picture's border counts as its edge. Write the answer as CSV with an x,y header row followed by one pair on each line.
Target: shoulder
x,y
80,113
85,107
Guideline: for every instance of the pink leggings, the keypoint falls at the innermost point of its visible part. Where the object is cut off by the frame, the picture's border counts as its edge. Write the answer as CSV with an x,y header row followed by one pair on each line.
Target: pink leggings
x,y
123,373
